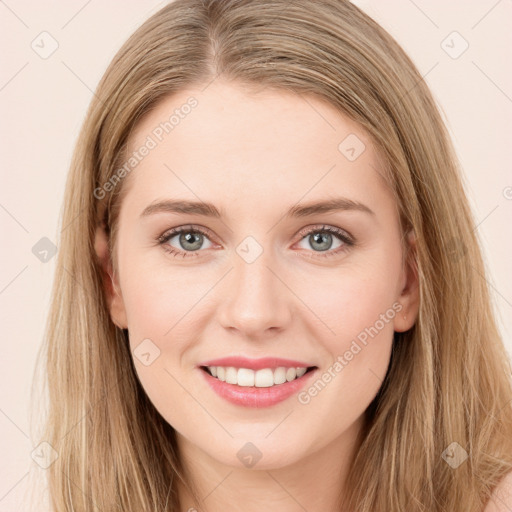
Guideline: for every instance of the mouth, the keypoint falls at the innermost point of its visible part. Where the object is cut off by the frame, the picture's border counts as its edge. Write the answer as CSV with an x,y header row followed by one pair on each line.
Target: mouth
x,y
259,388
262,378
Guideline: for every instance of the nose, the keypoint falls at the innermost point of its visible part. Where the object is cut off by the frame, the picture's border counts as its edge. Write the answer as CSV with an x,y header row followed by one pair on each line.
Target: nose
x,y
255,301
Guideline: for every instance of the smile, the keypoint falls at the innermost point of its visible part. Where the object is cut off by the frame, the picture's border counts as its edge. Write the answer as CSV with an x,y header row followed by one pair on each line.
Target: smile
x,y
256,388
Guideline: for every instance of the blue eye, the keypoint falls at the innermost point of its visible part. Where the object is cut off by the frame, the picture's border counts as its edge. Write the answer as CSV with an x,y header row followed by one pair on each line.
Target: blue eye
x,y
191,239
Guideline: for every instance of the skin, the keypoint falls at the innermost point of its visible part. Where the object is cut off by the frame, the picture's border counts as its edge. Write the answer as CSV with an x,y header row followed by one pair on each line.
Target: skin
x,y
255,156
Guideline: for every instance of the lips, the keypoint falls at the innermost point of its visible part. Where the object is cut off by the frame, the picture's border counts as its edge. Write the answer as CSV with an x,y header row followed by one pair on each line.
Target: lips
x,y
259,391
255,397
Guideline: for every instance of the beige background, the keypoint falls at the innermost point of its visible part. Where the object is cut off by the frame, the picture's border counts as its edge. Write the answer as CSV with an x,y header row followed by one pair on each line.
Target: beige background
x,y
43,102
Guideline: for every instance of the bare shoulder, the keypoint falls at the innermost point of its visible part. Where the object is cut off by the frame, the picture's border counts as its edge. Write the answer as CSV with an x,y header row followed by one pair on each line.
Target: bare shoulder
x,y
501,499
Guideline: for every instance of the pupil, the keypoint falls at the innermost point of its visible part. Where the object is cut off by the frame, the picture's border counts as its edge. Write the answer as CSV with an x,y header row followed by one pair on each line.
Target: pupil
x,y
190,238
325,240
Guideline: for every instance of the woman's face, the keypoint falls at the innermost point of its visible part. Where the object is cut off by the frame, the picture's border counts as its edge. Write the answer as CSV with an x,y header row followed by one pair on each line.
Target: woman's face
x,y
263,278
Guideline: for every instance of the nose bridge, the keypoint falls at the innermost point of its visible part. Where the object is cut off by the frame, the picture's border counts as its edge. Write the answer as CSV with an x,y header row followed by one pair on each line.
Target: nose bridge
x,y
255,299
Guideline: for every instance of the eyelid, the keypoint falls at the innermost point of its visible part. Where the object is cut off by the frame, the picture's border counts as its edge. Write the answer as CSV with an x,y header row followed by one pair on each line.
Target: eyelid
x,y
186,227
342,233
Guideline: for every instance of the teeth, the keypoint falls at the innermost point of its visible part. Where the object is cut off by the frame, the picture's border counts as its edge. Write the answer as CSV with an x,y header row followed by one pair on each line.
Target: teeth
x,y
245,377
291,373
301,371
263,378
280,375
260,378
231,375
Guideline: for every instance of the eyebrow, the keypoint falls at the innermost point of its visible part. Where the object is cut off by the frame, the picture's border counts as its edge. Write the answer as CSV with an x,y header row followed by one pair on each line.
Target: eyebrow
x,y
297,211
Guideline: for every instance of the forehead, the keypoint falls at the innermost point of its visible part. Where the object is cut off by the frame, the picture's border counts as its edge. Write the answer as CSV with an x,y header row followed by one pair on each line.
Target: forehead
x,y
273,146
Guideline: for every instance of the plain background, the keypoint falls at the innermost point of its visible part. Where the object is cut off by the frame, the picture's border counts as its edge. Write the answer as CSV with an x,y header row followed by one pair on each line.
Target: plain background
x,y
43,103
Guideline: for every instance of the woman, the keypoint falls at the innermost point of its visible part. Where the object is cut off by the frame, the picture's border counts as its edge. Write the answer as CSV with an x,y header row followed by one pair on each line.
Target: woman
x,y
269,291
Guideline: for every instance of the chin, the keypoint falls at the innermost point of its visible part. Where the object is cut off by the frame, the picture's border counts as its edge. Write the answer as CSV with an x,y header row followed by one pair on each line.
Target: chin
x,y
258,453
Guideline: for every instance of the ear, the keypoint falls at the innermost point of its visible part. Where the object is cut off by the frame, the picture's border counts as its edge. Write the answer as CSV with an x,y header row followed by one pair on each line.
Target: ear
x,y
409,296
110,280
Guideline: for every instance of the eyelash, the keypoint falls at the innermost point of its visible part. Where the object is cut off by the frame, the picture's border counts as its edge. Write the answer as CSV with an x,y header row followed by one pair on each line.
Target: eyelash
x,y
347,241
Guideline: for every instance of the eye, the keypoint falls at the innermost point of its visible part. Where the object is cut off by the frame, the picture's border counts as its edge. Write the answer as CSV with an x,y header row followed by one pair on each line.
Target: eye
x,y
189,239
321,239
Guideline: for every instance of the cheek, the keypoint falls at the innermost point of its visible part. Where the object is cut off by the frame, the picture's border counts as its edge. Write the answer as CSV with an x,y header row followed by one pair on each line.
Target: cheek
x,y
349,299
359,313
357,306
157,296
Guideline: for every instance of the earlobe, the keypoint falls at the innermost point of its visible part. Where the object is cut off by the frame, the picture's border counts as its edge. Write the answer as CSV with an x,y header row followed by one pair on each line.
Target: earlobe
x,y
109,279
409,297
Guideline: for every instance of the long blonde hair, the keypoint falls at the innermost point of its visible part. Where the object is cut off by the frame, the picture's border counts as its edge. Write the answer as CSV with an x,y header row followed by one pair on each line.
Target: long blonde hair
x,y
449,376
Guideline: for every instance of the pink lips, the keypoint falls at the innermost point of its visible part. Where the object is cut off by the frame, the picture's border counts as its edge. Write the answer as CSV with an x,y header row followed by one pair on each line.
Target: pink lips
x,y
253,396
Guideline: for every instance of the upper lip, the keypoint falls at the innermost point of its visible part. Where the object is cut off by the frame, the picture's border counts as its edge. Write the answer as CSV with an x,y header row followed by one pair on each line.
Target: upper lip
x,y
256,364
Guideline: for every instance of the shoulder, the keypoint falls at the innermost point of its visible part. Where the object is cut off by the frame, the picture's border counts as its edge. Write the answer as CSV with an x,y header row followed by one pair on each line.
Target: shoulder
x,y
501,498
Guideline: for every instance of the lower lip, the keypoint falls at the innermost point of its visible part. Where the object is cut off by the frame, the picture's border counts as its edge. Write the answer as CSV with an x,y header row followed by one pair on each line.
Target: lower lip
x,y
256,397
